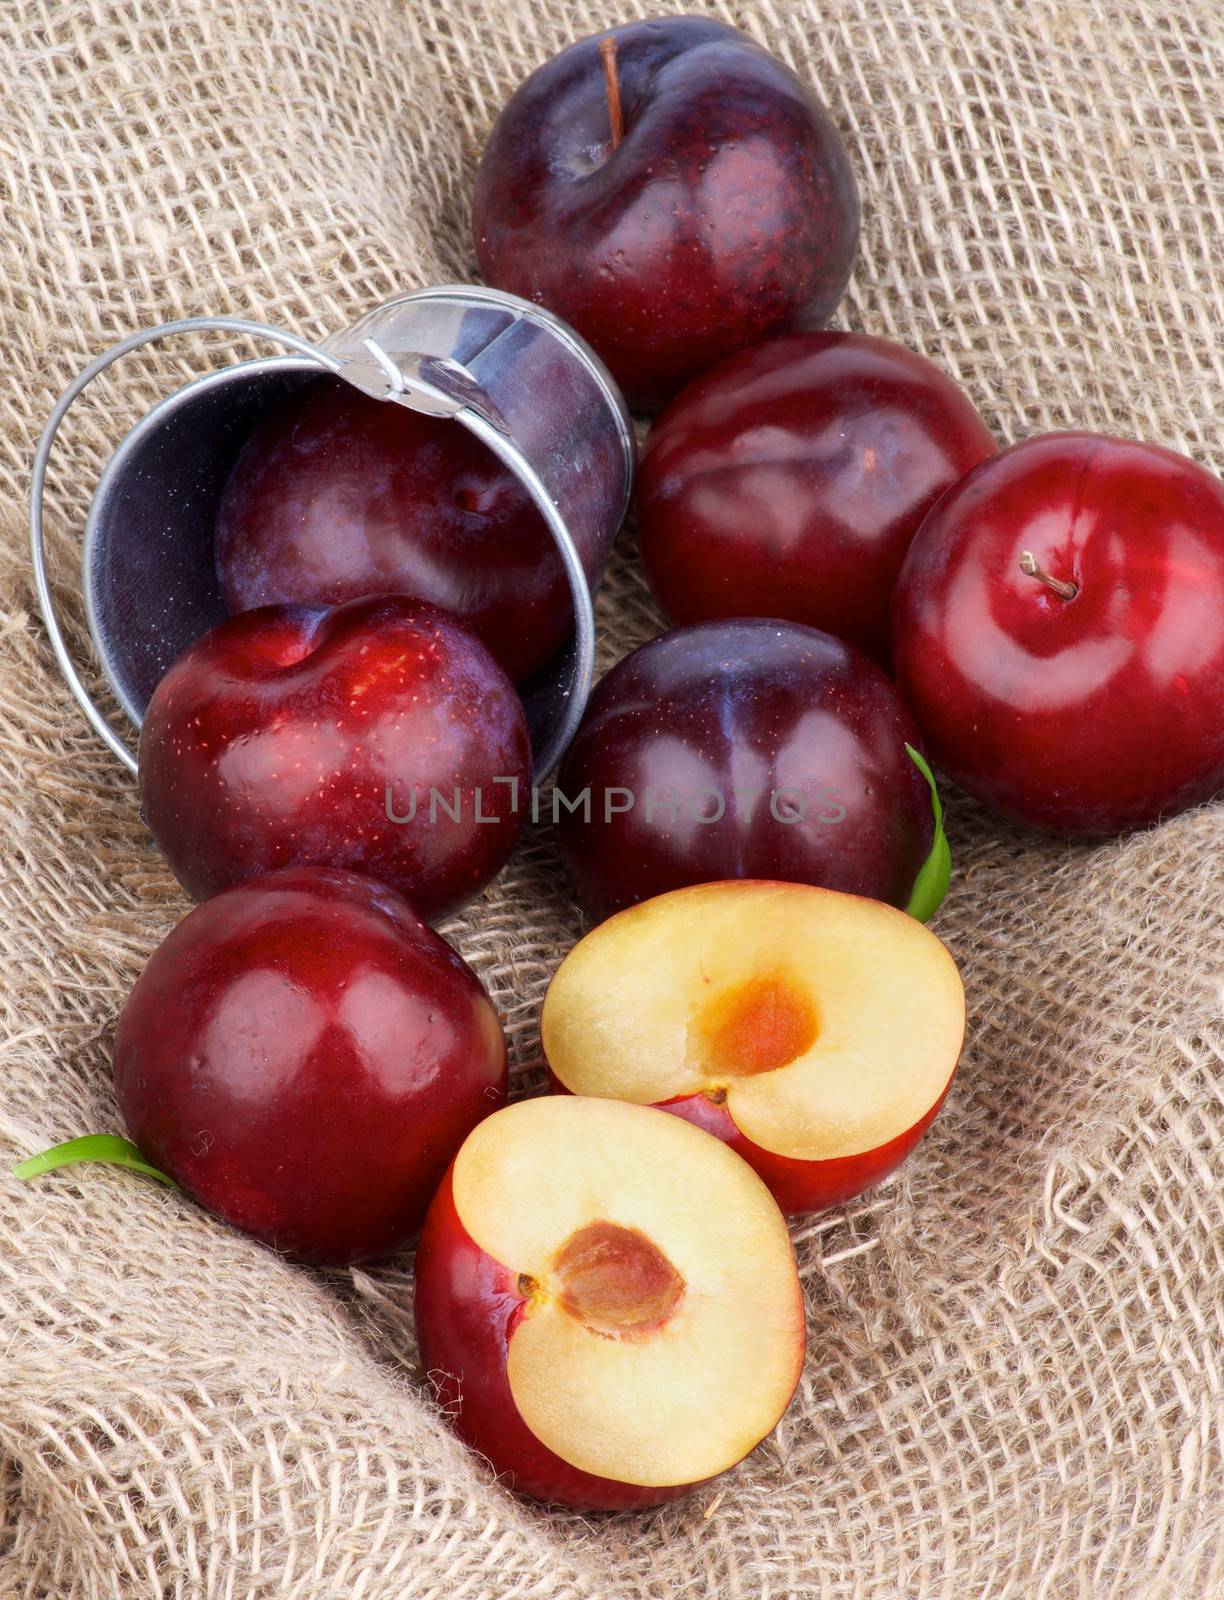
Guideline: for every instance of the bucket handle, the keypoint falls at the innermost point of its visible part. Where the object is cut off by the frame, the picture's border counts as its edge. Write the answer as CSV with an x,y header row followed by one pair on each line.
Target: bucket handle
x,y
46,602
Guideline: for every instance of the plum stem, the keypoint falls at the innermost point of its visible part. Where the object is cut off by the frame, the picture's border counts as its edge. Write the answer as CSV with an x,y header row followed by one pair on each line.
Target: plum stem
x,y
1030,567
616,115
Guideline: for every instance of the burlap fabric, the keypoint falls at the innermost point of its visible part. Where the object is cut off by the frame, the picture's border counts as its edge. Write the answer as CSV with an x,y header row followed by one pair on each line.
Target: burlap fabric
x,y
1014,1379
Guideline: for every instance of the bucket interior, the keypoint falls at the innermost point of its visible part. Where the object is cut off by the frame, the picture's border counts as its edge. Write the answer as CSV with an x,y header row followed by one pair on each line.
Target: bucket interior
x,y
150,580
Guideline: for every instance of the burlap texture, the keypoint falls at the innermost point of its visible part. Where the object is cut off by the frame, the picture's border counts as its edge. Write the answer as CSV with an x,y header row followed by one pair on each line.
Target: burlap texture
x,y
1013,1386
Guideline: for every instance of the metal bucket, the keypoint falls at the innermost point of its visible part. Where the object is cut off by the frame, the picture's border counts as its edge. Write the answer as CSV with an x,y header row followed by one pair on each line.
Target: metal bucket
x,y
511,373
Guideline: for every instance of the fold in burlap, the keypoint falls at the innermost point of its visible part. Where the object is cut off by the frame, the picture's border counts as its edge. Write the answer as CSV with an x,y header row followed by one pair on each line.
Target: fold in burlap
x,y
1014,1379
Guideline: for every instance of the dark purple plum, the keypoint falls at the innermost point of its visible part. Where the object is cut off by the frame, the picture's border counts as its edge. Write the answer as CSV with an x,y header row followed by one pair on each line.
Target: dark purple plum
x,y
338,495
727,212
743,749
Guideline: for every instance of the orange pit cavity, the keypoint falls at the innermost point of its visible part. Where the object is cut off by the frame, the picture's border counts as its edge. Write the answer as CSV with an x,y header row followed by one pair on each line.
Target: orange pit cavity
x,y
758,1025
615,1281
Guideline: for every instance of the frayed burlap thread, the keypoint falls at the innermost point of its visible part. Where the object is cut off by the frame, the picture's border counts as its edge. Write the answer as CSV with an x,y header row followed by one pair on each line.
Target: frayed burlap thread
x,y
1013,1387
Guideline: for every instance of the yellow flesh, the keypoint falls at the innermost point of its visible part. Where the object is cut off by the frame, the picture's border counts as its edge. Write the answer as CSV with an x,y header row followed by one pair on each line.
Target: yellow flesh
x,y
670,1406
627,1014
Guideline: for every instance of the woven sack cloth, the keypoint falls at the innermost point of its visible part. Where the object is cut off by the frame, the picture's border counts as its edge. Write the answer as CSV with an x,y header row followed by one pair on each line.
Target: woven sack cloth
x,y
1014,1379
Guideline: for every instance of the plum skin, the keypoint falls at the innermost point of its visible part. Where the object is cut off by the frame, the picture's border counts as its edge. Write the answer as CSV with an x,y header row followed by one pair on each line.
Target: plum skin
x,y
790,480
338,495
700,710
727,214
280,737
304,1055
1084,716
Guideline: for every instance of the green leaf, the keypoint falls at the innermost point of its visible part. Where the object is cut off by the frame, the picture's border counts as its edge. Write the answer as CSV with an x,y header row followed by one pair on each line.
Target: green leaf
x,y
931,884
106,1147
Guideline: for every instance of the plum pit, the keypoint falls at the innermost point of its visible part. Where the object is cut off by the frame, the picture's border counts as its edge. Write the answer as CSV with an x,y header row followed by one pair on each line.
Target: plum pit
x,y
757,1025
615,1281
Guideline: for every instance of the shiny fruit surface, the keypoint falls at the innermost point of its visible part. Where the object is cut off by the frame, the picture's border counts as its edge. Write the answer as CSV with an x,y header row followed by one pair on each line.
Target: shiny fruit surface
x,y
743,749
379,735
1059,633
304,1057
789,481
726,213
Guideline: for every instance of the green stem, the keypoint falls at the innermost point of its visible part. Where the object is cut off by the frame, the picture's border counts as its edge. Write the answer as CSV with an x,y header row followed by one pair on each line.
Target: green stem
x,y
90,1147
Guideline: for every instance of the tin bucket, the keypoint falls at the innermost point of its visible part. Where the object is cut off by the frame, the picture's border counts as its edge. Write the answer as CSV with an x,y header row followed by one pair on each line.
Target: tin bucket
x,y
511,373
